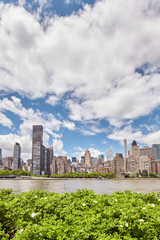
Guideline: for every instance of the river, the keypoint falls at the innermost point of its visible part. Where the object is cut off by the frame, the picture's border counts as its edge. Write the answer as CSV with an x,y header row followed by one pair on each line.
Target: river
x,y
99,186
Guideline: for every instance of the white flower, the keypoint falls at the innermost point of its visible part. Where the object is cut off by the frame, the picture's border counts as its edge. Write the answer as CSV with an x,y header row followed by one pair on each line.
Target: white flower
x,y
149,204
35,196
95,201
35,224
120,209
126,224
152,205
83,204
120,225
21,230
40,234
33,214
158,199
143,208
141,220
116,200
45,198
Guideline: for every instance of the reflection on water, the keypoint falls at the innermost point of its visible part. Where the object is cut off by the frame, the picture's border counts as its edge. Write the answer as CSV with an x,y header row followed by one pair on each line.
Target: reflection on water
x,y
71,185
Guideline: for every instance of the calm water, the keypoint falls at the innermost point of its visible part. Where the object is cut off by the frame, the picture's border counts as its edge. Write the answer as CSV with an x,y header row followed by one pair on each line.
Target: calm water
x,y
71,185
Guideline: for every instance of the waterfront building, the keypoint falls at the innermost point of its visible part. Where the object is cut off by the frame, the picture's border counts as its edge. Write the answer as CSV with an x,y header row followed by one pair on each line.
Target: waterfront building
x,y
1,156
9,162
155,164
157,146
93,162
87,157
118,164
17,156
132,164
145,163
59,165
109,154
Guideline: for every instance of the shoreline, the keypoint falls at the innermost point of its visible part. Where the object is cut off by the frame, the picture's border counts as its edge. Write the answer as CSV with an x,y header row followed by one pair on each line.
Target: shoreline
x,y
44,178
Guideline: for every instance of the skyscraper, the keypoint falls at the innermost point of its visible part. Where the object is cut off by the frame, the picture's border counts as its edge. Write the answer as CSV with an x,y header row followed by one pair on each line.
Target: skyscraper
x,y
17,156
87,158
157,146
109,153
38,152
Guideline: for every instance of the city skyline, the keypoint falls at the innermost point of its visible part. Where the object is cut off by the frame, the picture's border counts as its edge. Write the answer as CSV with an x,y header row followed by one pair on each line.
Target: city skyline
x,y
87,71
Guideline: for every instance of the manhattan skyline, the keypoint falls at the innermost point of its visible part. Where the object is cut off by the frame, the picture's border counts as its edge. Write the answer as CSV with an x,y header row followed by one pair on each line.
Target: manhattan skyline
x,y
88,71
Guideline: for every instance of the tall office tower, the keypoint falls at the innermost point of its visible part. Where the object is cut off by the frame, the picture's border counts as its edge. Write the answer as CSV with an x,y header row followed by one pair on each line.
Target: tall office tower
x,y
125,152
135,150
0,156
17,156
101,156
38,150
87,157
109,153
47,160
157,146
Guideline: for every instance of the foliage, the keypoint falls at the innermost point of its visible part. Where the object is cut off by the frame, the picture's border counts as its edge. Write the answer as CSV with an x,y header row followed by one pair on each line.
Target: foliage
x,y
152,174
14,172
37,215
84,175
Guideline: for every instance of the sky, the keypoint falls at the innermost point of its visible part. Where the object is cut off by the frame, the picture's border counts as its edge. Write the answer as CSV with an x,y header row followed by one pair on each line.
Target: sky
x,y
88,71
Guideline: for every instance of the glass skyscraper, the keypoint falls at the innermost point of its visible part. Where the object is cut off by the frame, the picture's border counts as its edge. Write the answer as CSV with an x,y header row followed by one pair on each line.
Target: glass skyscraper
x,y
17,156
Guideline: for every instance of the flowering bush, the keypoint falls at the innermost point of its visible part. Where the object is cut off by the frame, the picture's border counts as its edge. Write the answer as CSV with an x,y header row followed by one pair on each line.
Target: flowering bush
x,y
82,214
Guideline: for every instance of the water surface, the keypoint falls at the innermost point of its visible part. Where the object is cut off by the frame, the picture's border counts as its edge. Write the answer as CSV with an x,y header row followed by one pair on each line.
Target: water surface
x,y
71,185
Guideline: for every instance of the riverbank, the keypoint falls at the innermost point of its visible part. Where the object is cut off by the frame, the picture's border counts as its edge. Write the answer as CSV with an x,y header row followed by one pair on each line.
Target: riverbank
x,y
79,215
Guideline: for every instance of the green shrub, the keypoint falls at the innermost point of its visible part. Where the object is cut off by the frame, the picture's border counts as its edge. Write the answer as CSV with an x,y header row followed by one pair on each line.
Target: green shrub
x,y
37,215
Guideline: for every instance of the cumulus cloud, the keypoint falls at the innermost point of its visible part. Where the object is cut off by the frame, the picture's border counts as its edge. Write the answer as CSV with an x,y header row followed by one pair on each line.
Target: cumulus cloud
x,y
93,55
131,134
6,122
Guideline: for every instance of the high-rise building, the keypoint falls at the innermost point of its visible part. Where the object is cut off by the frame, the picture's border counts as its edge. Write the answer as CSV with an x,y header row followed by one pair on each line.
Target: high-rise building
x,y
9,162
38,150
87,157
157,146
109,153
135,150
125,152
37,136
17,156
148,151
0,156
101,156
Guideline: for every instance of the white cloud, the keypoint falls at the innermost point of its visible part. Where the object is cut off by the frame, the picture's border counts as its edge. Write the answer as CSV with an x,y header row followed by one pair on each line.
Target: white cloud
x,y
52,100
21,3
131,134
58,147
6,122
93,55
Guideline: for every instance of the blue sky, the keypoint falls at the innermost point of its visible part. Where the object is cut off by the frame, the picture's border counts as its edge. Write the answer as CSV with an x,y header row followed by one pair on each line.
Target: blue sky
x,y
88,71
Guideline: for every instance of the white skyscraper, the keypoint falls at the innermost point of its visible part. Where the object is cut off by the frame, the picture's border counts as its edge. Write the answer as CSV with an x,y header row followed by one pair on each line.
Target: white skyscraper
x,y
109,153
